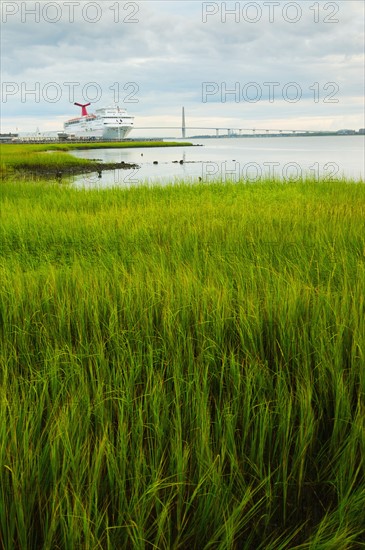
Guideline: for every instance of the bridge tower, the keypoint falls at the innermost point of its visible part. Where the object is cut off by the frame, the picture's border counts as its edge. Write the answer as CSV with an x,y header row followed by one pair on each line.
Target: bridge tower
x,y
183,127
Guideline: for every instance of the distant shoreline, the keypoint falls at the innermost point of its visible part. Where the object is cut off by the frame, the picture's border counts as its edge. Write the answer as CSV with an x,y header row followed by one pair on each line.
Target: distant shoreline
x,y
286,134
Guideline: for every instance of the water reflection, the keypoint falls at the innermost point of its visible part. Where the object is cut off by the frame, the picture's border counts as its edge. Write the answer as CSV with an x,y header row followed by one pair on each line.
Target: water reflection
x,y
231,159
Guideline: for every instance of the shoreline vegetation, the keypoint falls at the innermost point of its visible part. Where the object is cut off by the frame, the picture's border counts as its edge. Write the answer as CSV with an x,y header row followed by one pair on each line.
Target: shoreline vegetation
x,y
32,159
182,366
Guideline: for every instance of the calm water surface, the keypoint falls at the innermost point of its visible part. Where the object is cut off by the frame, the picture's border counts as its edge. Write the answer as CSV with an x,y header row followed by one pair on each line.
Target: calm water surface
x,y
232,158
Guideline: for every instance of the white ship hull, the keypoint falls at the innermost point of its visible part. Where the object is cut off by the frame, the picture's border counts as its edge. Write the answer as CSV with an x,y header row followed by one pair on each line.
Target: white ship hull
x,y
106,123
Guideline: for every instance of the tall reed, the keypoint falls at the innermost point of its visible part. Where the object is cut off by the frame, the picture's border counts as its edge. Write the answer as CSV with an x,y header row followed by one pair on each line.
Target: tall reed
x,y
183,367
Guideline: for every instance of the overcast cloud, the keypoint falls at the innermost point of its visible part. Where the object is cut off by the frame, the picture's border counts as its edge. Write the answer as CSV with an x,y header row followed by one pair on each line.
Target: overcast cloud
x,y
155,57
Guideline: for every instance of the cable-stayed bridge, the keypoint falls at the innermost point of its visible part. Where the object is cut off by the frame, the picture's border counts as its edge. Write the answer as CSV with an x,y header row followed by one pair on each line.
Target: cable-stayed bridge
x,y
229,131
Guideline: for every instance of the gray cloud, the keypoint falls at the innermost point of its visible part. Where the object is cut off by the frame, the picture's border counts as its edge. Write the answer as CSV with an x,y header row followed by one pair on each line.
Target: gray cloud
x,y
170,52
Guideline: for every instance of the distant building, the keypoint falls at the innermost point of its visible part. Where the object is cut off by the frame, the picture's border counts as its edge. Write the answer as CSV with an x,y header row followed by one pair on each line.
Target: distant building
x,y
7,137
346,132
362,131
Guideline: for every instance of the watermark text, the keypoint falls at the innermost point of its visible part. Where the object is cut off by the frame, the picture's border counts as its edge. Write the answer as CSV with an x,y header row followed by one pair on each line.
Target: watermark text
x,y
254,12
253,92
52,92
71,12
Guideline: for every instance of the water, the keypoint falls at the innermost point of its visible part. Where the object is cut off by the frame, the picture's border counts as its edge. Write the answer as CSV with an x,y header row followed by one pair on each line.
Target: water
x,y
232,158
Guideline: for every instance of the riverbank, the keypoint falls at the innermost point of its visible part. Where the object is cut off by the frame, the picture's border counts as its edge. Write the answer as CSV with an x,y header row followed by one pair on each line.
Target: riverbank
x,y
33,159
182,367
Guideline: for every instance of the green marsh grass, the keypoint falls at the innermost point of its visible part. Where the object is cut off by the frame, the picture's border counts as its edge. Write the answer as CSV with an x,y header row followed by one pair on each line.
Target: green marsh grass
x,y
183,367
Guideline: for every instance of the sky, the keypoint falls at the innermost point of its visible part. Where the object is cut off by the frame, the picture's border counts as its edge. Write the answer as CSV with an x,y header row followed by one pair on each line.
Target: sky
x,y
263,65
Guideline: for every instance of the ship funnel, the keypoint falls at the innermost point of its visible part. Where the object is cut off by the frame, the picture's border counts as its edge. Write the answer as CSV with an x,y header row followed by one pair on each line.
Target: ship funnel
x,y
83,108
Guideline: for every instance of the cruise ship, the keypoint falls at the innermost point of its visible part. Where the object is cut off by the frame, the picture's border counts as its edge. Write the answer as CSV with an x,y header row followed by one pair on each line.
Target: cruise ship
x,y
107,123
